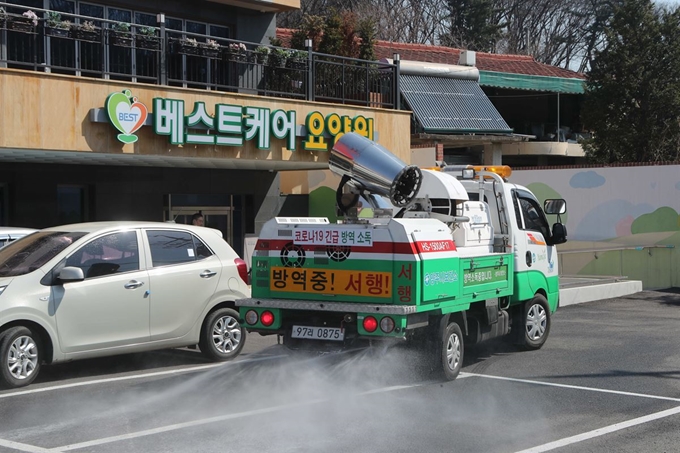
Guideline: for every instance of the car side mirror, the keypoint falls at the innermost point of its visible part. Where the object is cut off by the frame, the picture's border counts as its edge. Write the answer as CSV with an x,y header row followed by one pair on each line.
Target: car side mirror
x,y
559,234
71,274
555,206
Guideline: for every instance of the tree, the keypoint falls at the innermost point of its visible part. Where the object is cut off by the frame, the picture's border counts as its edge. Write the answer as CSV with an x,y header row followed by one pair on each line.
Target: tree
x,y
632,99
471,25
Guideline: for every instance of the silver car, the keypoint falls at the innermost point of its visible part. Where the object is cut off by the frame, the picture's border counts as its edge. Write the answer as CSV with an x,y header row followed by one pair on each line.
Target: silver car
x,y
100,289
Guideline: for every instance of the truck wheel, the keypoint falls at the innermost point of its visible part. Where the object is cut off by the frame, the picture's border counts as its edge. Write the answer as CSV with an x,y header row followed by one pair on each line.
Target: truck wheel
x,y
451,353
222,335
20,356
535,323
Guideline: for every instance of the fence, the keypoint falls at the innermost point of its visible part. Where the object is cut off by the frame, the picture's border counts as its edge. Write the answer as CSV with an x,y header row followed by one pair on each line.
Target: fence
x,y
56,42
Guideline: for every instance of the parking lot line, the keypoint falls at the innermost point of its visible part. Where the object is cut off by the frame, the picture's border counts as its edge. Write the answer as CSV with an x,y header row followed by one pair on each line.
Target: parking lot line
x,y
575,387
22,447
136,376
601,431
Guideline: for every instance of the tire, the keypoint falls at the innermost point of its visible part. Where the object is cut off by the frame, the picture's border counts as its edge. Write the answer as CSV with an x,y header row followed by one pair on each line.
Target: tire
x,y
222,335
535,323
451,351
20,357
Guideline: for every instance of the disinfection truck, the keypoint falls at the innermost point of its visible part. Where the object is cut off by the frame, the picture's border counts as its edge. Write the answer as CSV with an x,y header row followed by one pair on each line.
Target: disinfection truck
x,y
433,258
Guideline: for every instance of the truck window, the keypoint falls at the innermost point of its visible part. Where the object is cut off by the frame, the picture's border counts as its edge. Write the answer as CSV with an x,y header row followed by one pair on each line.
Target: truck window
x,y
529,213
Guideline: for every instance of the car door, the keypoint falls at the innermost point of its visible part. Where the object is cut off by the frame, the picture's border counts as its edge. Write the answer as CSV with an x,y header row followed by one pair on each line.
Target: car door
x,y
533,254
184,275
110,308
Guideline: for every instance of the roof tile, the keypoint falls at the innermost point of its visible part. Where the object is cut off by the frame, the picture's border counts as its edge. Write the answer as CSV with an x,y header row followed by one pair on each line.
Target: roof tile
x,y
513,64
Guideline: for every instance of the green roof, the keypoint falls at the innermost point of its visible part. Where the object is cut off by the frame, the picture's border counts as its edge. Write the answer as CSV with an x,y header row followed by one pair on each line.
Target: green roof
x,y
531,82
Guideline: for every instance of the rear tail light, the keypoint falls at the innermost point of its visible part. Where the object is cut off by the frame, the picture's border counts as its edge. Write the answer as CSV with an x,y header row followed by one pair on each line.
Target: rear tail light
x,y
242,270
370,324
267,318
251,317
387,324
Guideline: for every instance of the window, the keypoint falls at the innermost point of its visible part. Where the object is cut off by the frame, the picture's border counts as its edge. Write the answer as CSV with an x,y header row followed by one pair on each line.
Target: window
x,y
528,210
175,247
22,257
111,254
71,204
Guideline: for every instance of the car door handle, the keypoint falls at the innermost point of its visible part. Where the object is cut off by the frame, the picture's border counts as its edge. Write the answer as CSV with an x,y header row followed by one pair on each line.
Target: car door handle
x,y
529,259
208,274
133,284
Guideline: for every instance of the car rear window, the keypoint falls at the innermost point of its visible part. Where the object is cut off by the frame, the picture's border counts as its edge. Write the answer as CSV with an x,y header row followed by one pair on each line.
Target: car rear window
x,y
29,254
174,247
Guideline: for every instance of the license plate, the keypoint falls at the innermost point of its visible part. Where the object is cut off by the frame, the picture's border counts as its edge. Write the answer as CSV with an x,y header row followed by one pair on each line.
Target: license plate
x,y
318,333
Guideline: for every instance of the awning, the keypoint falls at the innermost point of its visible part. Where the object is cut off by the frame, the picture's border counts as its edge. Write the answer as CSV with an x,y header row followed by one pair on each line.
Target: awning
x,y
449,105
531,82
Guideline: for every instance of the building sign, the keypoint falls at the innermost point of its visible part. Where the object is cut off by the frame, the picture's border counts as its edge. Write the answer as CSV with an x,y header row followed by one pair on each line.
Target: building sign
x,y
126,114
230,125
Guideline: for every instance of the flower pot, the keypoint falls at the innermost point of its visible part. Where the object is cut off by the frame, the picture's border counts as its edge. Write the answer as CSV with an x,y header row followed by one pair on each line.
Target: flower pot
x,y
121,39
56,32
188,49
21,24
86,35
210,52
148,42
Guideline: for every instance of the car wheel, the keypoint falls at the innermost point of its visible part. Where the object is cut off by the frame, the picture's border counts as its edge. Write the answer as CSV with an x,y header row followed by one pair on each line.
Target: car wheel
x,y
535,323
222,336
20,356
451,351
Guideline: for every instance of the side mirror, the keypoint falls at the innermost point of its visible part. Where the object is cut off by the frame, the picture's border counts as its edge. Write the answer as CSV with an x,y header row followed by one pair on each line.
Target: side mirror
x,y
71,274
559,234
555,206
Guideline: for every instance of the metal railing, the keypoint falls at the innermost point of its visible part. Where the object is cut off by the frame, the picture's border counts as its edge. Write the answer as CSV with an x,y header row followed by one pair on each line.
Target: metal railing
x,y
64,43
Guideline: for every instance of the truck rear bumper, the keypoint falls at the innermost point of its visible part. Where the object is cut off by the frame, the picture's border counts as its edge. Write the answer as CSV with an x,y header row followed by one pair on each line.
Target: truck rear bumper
x,y
327,306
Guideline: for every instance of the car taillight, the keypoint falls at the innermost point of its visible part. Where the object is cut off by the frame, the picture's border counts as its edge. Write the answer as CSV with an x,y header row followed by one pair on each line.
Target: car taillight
x,y
267,318
242,270
370,324
387,324
251,317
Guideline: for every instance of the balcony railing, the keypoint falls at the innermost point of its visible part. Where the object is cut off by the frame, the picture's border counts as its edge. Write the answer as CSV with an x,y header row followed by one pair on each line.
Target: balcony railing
x,y
85,46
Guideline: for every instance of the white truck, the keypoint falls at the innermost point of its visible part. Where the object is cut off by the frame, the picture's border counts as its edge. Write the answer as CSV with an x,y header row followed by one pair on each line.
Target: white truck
x,y
437,258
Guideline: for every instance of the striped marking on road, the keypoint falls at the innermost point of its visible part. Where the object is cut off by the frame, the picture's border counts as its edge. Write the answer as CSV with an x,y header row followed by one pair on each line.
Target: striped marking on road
x,y
137,376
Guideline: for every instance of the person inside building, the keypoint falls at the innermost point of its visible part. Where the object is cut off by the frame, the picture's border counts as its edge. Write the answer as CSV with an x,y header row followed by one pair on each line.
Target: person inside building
x,y
197,219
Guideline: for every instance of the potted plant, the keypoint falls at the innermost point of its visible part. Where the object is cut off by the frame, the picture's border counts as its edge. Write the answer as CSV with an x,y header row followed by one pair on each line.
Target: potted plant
x,y
297,59
25,23
119,35
86,31
261,54
187,46
56,26
210,49
146,38
278,57
236,51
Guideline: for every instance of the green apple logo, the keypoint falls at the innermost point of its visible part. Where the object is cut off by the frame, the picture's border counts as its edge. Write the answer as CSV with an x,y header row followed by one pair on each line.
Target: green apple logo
x,y
126,114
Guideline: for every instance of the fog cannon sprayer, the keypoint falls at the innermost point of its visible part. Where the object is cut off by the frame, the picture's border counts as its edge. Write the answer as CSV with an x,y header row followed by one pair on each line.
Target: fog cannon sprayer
x,y
371,168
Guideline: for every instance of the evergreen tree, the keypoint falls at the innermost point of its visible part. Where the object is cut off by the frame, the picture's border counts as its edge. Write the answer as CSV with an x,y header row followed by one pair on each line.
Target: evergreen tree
x,y
632,99
471,25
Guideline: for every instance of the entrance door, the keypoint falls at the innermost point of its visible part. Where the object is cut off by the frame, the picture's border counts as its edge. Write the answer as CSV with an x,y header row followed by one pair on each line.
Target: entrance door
x,y
219,218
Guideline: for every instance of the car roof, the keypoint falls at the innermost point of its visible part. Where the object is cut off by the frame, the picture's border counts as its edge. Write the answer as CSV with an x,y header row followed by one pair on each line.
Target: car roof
x,y
94,227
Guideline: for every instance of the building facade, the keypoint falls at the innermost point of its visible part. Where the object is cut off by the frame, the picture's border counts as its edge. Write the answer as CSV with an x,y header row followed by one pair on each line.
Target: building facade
x,y
152,110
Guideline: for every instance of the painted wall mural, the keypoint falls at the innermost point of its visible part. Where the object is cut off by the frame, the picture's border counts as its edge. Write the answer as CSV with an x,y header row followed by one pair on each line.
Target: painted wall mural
x,y
621,220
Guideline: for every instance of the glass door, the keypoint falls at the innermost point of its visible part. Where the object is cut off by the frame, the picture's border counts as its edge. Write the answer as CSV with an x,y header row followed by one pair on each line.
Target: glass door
x,y
220,218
